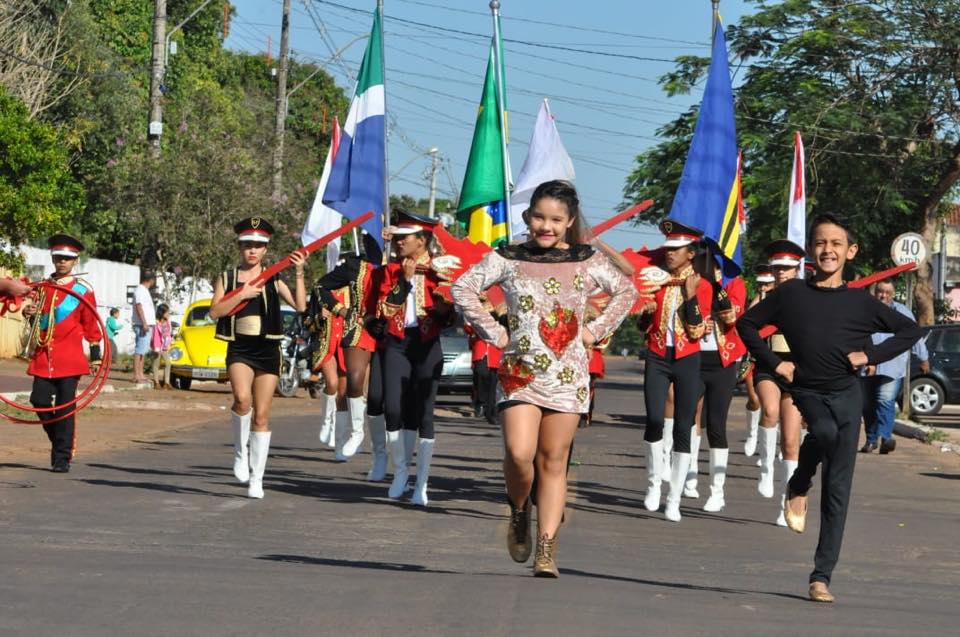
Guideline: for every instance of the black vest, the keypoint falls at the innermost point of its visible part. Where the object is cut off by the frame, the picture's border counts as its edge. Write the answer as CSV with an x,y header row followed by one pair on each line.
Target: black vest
x,y
267,305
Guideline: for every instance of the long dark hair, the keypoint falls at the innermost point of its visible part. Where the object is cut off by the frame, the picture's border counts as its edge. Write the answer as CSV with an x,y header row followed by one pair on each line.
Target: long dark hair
x,y
564,192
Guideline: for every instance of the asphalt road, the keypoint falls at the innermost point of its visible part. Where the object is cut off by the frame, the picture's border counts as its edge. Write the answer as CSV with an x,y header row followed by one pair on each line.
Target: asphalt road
x,y
157,539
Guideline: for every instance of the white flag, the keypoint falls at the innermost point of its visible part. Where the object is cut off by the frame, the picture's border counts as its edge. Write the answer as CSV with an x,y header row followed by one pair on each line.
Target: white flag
x,y
323,219
797,215
547,159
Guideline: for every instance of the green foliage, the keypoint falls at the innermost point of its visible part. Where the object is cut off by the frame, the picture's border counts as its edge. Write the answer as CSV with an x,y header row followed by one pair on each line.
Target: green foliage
x,y
38,194
628,337
871,86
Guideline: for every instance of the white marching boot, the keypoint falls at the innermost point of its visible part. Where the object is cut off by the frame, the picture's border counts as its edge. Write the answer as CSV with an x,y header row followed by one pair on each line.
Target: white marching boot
x,y
718,475
690,486
789,466
241,438
341,431
378,440
768,453
424,457
667,448
259,450
678,475
357,408
395,443
329,406
750,444
651,502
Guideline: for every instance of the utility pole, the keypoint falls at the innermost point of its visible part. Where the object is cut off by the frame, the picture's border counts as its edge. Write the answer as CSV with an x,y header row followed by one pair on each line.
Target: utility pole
x,y
155,122
433,152
281,104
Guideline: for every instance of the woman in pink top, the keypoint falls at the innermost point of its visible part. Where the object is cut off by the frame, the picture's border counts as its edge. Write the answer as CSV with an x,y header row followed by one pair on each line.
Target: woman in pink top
x,y
160,342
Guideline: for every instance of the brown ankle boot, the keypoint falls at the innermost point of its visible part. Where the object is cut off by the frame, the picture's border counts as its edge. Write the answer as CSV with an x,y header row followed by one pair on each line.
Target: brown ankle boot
x,y
544,564
519,542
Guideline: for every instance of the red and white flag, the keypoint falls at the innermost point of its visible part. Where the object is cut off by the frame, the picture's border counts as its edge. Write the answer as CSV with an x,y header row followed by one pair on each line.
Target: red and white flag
x,y
324,219
797,212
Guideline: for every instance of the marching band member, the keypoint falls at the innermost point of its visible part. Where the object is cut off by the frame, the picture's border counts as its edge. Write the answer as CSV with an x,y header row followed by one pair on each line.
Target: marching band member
x,y
764,280
360,275
778,411
253,335
325,317
412,358
544,382
58,360
720,350
673,357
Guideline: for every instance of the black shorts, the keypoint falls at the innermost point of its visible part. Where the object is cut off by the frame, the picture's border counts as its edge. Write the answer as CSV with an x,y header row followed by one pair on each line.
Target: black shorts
x,y
255,351
762,372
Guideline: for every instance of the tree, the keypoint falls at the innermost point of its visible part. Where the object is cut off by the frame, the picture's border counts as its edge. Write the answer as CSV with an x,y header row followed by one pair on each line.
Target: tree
x,y
38,194
872,86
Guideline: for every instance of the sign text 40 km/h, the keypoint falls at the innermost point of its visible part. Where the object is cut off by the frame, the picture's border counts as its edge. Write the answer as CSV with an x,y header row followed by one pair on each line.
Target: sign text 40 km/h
x,y
908,248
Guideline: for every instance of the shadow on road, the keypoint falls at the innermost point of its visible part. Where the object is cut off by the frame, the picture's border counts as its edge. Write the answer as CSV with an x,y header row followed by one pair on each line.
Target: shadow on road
x,y
379,566
677,585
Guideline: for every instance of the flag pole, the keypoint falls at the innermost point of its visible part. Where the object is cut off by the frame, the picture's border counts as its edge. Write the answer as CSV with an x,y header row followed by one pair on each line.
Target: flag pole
x,y
498,74
386,128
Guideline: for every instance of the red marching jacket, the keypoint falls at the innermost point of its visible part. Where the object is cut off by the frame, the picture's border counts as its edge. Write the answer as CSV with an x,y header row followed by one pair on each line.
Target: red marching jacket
x,y
394,289
689,315
59,351
729,345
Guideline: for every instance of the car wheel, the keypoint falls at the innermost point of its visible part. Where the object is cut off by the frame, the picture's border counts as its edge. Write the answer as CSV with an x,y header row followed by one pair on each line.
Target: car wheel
x,y
287,386
926,397
179,382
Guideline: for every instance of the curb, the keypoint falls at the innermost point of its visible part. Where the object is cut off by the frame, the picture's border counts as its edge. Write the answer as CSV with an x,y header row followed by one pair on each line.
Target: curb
x,y
911,429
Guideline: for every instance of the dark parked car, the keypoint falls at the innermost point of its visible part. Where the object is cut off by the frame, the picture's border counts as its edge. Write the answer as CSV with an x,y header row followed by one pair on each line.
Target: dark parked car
x,y
941,386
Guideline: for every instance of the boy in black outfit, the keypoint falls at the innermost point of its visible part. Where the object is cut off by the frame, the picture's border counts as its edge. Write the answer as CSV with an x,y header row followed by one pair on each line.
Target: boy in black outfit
x,y
828,327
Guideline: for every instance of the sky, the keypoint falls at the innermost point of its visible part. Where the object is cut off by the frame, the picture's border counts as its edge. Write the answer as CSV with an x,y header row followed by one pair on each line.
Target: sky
x,y
604,96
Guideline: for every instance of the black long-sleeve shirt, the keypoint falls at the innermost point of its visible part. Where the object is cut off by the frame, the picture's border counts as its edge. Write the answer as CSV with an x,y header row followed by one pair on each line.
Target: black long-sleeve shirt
x,y
823,325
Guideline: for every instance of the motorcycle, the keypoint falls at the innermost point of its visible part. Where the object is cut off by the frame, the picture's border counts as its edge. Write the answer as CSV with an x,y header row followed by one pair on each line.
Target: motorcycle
x,y
297,354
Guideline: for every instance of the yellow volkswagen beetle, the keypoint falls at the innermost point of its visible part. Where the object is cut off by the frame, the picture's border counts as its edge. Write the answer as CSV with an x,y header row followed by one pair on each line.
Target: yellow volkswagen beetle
x,y
195,352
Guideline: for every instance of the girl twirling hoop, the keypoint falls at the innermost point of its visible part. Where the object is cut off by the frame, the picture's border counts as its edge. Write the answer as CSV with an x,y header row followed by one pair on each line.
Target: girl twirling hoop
x,y
253,354
544,382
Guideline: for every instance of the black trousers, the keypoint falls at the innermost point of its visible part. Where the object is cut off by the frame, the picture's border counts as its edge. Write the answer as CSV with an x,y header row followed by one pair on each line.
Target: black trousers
x,y
61,433
718,383
684,373
833,430
375,385
485,389
411,375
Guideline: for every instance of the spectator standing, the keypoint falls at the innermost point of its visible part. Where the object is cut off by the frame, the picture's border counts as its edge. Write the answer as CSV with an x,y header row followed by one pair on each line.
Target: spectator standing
x,y
113,329
882,383
144,318
160,339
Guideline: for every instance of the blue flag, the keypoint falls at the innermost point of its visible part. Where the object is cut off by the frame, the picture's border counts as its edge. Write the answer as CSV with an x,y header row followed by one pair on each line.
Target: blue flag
x,y
709,191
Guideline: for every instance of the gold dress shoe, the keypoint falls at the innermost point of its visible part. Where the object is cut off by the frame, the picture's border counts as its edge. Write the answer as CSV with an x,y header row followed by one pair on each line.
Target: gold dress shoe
x,y
795,511
820,593
544,564
519,540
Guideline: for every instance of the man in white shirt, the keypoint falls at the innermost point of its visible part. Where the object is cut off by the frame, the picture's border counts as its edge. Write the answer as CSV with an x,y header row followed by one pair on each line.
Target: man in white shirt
x,y
144,317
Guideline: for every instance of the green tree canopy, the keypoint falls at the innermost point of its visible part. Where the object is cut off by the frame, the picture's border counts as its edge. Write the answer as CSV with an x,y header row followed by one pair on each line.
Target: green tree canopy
x,y
38,193
871,86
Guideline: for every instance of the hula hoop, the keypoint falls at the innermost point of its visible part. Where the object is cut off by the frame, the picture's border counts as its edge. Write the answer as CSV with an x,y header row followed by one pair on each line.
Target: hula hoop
x,y
90,392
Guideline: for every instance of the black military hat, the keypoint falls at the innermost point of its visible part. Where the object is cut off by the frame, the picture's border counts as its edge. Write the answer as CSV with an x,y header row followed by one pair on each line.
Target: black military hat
x,y
254,229
679,234
409,223
63,245
784,252
764,273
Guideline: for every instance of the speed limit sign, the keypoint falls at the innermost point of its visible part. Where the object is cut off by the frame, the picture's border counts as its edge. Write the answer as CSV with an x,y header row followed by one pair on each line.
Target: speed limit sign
x,y
908,248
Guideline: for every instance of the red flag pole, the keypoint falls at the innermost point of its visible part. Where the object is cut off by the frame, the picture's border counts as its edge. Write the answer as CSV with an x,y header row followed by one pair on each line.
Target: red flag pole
x,y
603,226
